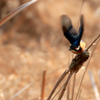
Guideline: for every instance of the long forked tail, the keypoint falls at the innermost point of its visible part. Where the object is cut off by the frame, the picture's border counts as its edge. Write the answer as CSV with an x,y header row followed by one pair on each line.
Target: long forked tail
x,y
16,11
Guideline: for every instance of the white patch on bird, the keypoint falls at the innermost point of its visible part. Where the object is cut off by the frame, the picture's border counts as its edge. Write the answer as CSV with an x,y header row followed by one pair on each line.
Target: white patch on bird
x,y
83,68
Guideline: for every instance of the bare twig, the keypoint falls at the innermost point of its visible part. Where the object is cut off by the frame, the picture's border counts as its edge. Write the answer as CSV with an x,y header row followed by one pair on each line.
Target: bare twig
x,y
99,74
80,12
73,86
0,9
96,91
62,92
63,85
43,85
79,94
58,82
86,68
68,90
93,42
18,93
74,67
16,11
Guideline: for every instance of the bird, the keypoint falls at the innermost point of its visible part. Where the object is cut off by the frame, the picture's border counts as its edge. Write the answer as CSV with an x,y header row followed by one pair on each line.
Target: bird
x,y
77,45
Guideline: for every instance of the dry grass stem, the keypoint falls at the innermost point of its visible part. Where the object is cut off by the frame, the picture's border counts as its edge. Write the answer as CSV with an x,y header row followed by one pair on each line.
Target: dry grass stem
x,y
16,11
79,94
58,82
96,91
68,90
74,79
63,85
87,67
18,93
99,74
62,92
75,65
93,42
43,85
80,13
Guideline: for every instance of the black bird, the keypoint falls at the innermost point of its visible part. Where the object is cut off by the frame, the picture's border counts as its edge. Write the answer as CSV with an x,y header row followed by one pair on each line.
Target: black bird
x,y
77,45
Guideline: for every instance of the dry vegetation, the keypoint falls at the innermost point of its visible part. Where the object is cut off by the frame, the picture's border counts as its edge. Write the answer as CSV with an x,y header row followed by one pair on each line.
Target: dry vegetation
x,y
33,41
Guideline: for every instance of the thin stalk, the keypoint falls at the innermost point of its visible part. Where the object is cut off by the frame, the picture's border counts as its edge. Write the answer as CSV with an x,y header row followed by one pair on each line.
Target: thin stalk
x,y
96,91
63,85
18,93
93,42
16,11
79,94
86,68
99,74
58,82
74,79
62,92
43,85
80,13
68,90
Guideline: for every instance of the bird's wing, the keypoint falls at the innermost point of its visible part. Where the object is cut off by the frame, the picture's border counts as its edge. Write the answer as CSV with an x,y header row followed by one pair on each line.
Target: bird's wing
x,y
81,29
16,11
69,31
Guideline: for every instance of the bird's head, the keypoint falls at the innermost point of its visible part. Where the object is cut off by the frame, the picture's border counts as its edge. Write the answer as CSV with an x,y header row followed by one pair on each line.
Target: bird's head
x,y
79,49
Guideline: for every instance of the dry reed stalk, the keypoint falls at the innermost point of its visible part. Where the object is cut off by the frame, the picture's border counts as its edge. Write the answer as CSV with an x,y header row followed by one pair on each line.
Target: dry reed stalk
x,y
88,63
80,14
58,82
63,90
74,67
43,85
79,94
69,76
99,74
93,42
19,92
74,79
16,11
68,90
96,91
0,9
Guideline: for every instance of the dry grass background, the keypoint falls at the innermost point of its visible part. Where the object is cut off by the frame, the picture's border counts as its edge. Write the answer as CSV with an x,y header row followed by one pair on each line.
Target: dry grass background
x,y
33,41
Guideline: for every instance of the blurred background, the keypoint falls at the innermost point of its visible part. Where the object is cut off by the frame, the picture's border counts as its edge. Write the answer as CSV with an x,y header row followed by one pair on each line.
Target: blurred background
x,y
33,41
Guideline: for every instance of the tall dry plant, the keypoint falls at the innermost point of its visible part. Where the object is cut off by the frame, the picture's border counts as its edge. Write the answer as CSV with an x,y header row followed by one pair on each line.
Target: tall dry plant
x,y
74,67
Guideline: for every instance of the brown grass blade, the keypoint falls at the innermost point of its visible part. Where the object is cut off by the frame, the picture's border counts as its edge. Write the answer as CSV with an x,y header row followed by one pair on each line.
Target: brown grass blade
x,y
96,91
0,9
80,13
18,93
87,64
99,74
63,86
79,94
58,82
62,92
43,85
74,79
16,11
93,42
68,90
